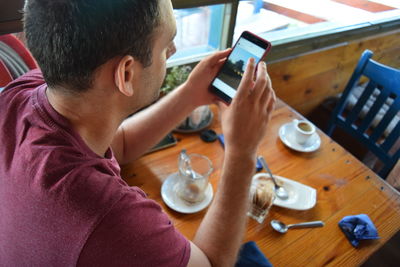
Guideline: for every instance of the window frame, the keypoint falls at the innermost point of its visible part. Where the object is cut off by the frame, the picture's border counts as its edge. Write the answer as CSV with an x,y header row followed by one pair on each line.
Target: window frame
x,y
181,4
227,31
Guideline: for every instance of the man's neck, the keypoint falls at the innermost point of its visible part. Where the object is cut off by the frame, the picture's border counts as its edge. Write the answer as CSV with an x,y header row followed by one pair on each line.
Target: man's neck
x,y
91,115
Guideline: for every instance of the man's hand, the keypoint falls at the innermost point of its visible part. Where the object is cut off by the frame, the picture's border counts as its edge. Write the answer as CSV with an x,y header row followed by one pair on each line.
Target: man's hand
x,y
244,122
201,77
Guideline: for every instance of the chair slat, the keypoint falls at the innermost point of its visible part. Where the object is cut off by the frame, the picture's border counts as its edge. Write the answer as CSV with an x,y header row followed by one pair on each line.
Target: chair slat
x,y
373,111
392,138
386,120
354,113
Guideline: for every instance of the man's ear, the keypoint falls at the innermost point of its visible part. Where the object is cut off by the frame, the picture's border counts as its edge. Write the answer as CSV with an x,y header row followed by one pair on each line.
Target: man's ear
x,y
123,75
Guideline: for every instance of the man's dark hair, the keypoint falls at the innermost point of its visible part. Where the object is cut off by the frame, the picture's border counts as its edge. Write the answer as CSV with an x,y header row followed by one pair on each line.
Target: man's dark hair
x,y
70,39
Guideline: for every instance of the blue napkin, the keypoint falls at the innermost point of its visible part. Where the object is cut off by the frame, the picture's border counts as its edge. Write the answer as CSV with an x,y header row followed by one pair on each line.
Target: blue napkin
x,y
251,256
358,227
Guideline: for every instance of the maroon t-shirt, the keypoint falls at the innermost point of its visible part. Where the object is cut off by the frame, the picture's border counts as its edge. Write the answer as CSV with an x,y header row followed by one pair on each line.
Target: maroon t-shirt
x,y
63,205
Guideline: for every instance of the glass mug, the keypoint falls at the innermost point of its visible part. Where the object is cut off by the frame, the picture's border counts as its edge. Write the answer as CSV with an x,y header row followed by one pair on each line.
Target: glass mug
x,y
262,196
194,171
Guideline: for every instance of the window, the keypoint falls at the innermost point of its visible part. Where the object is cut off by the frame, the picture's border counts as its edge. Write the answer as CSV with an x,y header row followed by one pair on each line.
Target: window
x,y
278,20
201,30
293,27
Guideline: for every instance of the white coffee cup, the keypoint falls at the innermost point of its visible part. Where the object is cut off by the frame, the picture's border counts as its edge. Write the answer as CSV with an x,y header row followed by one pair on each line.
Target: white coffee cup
x,y
303,130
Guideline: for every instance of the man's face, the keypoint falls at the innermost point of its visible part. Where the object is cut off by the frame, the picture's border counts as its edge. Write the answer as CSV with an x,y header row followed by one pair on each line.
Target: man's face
x,y
163,48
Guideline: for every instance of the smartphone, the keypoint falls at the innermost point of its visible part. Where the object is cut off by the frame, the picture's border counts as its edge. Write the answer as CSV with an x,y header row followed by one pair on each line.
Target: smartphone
x,y
167,141
228,79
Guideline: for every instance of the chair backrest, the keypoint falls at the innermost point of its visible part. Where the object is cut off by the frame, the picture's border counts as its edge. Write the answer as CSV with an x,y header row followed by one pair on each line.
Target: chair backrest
x,y
20,49
383,94
5,76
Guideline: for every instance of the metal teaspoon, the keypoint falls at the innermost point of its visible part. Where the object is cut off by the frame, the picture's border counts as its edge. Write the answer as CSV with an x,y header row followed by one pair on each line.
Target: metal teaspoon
x,y
279,190
282,228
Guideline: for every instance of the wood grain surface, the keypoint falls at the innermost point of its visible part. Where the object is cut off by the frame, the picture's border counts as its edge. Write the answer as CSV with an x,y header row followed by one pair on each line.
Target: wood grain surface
x,y
344,187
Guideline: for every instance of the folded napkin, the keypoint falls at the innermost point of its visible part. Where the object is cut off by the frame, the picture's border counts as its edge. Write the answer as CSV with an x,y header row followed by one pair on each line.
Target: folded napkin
x,y
251,256
358,227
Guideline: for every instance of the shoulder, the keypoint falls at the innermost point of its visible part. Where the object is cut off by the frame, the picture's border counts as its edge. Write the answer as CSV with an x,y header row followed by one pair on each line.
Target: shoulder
x,y
69,171
29,80
20,90
135,232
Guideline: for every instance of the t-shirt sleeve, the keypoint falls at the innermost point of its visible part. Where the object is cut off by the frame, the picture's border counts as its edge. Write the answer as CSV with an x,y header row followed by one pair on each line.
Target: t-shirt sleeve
x,y
135,232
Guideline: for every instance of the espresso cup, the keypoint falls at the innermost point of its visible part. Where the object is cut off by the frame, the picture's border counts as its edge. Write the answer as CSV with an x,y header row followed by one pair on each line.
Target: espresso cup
x,y
303,130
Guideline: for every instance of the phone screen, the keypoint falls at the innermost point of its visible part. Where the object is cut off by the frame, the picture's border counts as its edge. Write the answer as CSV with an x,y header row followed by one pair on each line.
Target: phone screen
x,y
230,75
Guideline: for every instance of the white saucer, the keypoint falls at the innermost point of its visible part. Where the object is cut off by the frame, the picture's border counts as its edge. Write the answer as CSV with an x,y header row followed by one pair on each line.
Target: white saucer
x,y
204,124
301,197
176,203
287,136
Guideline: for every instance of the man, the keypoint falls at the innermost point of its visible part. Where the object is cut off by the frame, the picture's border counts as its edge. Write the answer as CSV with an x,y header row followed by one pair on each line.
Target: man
x,y
63,201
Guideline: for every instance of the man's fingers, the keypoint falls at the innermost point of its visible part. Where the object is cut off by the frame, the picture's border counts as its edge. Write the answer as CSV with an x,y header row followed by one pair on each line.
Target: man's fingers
x,y
219,64
215,58
247,82
261,80
272,100
222,109
269,79
221,105
268,88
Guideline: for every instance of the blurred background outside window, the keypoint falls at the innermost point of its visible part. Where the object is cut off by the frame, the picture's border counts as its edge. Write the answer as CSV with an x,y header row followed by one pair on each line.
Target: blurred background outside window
x,y
202,30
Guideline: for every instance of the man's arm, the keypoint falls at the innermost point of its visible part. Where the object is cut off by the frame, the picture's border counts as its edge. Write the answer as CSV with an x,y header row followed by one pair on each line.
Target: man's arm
x,y
244,124
142,131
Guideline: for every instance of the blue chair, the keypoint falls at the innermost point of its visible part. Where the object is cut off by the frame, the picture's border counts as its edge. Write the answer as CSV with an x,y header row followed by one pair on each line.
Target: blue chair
x,y
383,88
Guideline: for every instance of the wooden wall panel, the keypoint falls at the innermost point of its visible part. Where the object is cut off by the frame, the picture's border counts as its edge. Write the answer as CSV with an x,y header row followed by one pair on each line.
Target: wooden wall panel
x,y
305,81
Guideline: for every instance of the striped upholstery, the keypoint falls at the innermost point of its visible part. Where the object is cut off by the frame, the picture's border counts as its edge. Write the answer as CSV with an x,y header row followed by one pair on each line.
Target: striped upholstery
x,y
15,59
20,49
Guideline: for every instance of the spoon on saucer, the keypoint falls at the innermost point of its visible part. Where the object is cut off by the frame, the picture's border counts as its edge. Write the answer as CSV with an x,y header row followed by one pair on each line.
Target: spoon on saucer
x,y
279,190
282,228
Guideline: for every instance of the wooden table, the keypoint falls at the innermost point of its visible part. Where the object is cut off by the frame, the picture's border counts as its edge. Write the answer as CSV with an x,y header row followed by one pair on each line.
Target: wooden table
x,y
344,187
